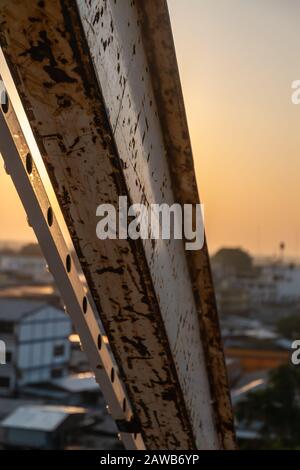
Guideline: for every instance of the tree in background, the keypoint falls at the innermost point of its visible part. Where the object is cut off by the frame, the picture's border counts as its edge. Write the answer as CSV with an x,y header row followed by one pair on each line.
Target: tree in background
x,y
275,410
289,327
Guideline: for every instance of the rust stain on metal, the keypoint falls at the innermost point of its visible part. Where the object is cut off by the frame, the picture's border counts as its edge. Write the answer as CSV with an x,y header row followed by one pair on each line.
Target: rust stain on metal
x,y
96,178
158,39
49,57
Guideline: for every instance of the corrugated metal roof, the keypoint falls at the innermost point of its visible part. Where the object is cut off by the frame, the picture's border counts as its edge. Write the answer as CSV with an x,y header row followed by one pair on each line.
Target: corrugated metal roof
x,y
39,418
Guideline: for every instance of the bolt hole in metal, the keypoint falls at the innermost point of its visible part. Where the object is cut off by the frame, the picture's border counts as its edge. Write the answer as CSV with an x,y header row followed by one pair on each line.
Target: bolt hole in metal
x,y
4,102
29,163
99,342
84,304
112,375
68,263
124,405
50,216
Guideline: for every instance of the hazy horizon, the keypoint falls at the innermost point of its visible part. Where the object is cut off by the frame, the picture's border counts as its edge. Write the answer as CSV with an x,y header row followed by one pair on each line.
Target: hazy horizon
x,y
17,244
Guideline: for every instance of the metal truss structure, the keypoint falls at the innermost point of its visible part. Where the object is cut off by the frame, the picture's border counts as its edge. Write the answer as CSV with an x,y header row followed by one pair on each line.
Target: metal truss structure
x,y
95,111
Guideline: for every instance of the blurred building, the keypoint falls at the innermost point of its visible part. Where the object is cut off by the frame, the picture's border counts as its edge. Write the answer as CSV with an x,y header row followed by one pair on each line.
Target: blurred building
x,y
37,345
286,279
256,350
74,389
243,286
232,298
45,365
40,426
27,262
78,359
45,293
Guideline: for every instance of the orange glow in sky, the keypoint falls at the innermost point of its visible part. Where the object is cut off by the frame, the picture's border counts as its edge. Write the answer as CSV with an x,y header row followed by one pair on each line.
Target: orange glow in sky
x,y
237,60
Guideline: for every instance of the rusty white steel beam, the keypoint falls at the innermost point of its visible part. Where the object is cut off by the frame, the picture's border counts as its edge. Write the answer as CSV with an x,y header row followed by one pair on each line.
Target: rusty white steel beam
x,y
23,162
99,84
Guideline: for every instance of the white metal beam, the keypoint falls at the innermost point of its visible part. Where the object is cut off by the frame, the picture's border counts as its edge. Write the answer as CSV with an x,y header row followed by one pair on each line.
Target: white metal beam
x,y
99,86
24,163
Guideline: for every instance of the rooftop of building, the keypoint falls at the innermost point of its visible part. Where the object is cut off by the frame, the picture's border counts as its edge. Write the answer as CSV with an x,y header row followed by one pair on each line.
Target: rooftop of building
x,y
77,383
40,417
46,293
13,310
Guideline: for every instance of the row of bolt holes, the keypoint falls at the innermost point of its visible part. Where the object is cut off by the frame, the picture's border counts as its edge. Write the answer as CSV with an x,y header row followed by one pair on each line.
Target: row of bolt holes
x,y
29,167
68,268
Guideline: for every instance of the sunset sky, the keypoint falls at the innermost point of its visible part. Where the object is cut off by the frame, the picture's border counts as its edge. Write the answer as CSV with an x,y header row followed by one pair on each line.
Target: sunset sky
x,y
237,60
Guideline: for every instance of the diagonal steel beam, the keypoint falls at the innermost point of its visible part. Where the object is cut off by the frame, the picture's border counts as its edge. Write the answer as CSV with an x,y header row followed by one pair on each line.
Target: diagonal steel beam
x,y
23,161
99,85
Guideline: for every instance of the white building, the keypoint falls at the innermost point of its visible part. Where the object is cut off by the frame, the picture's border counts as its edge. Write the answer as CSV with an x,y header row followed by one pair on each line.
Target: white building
x,y
286,279
274,283
261,289
36,339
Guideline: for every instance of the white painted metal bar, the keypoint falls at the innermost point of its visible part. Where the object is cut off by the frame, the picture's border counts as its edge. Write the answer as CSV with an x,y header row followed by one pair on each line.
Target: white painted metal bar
x,y
23,162
96,94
